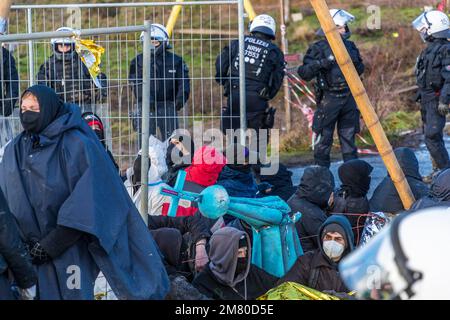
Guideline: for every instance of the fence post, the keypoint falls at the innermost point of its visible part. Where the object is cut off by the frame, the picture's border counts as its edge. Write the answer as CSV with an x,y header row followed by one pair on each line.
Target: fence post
x,y
287,97
145,124
242,98
30,47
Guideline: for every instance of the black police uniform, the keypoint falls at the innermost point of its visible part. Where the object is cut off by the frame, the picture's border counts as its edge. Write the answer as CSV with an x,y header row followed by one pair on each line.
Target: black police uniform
x,y
433,79
169,90
9,83
335,103
70,78
264,73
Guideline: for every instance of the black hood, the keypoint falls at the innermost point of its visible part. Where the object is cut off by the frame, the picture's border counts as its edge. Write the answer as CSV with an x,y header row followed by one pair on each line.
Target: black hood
x,y
50,105
440,188
355,177
281,179
169,241
316,185
408,162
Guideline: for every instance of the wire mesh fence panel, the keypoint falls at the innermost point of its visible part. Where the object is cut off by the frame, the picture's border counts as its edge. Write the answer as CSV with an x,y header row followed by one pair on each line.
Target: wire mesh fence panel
x,y
184,90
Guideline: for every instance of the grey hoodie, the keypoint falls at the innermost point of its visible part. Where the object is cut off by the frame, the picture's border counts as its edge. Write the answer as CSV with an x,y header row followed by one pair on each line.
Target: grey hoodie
x,y
223,253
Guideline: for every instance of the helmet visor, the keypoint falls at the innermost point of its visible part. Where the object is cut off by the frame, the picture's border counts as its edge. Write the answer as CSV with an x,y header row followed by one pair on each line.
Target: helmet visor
x,y
341,18
420,23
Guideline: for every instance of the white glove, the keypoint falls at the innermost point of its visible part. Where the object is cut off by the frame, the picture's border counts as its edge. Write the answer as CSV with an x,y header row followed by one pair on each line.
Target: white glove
x,y
28,294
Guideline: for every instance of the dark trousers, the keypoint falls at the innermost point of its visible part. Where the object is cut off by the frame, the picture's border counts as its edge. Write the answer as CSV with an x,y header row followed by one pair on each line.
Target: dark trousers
x,y
256,108
336,109
434,124
163,121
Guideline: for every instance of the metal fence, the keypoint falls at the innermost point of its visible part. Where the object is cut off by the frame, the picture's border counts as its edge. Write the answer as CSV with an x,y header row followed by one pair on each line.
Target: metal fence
x,y
202,30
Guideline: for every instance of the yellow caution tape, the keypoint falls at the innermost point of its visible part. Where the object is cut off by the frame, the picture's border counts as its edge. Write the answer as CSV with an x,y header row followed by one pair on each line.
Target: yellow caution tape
x,y
91,55
295,291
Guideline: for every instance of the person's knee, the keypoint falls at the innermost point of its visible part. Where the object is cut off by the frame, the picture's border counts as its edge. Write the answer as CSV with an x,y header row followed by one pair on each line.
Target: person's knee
x,y
433,132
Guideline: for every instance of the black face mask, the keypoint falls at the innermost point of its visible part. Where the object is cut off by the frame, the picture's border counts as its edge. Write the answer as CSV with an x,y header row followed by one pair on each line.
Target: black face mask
x,y
241,266
30,121
100,136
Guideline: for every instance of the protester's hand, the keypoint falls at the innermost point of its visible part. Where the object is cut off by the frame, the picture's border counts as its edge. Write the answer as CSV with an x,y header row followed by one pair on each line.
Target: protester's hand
x,y
443,109
28,294
201,256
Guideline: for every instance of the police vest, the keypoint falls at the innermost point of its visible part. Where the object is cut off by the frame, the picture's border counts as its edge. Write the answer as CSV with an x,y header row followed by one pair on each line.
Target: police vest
x,y
256,54
428,67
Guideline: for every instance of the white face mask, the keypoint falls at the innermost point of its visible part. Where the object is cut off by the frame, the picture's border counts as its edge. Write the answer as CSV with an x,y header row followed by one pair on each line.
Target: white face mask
x,y
333,249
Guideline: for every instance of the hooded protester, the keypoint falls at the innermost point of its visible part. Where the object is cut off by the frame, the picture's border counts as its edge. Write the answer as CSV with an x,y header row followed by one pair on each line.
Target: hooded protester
x,y
385,198
204,171
179,155
96,124
351,197
318,269
157,168
281,183
72,208
312,199
195,232
439,194
14,257
230,274
237,177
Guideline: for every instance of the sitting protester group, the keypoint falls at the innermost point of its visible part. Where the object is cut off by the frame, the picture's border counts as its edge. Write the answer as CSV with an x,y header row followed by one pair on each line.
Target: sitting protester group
x,y
60,165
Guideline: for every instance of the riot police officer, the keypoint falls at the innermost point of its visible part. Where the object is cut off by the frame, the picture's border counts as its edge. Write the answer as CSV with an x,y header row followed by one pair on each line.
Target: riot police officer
x,y
433,80
169,85
264,73
65,72
9,83
335,103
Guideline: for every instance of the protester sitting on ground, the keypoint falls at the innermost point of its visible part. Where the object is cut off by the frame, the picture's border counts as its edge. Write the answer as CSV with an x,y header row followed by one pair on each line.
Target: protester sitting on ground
x,y
206,166
312,199
318,269
96,124
195,234
351,197
237,177
179,154
72,207
230,274
439,194
157,168
15,261
385,198
281,183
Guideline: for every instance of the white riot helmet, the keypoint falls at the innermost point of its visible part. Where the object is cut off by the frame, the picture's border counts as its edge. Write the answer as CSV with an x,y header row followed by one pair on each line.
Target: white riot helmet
x,y
3,25
55,41
158,32
264,24
432,23
408,259
341,17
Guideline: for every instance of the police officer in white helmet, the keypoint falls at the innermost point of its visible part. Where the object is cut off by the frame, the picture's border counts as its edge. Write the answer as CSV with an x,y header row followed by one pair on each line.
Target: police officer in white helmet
x,y
169,85
433,80
65,72
336,106
264,73
407,260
